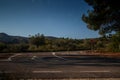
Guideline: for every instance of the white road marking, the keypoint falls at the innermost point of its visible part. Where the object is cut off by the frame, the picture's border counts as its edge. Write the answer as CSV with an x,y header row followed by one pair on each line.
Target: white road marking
x,y
97,71
102,71
34,57
46,71
57,56
10,58
99,63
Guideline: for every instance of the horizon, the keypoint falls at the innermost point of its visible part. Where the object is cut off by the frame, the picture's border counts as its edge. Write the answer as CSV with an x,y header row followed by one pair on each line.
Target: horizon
x,y
44,35
61,18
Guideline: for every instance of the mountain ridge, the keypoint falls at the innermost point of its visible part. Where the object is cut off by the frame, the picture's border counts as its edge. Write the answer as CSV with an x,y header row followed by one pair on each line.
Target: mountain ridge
x,y
12,39
6,38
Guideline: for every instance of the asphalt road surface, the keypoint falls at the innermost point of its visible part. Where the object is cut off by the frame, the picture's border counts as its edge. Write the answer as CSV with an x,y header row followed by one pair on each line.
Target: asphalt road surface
x,y
60,65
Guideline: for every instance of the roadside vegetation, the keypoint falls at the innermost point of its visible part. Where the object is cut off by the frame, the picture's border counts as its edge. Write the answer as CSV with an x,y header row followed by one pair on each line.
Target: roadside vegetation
x,y
40,43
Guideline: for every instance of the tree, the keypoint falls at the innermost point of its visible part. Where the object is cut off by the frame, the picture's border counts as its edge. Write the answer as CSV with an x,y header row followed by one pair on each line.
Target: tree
x,y
115,43
105,16
37,40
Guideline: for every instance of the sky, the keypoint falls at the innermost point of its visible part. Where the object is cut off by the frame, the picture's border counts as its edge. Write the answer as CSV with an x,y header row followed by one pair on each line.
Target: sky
x,y
58,18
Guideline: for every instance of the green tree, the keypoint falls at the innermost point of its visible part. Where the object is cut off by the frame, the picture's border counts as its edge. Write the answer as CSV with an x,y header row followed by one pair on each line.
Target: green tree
x,y
115,43
99,45
86,44
105,16
37,40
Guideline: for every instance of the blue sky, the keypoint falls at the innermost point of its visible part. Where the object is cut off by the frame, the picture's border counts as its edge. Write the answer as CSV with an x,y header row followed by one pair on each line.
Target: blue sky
x,y
59,18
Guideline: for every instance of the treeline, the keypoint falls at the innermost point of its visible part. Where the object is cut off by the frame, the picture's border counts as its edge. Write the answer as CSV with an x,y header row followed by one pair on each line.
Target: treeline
x,y
39,43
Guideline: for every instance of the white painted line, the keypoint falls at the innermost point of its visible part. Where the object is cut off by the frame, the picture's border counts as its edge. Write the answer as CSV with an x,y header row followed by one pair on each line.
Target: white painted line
x,y
99,63
46,71
97,71
57,56
34,57
102,71
54,53
10,58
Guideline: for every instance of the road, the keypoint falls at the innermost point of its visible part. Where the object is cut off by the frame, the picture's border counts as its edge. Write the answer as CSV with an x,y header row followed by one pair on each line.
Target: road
x,y
59,65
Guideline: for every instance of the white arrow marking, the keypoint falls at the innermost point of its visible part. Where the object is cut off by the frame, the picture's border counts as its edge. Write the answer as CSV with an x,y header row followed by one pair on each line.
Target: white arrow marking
x,y
10,58
57,56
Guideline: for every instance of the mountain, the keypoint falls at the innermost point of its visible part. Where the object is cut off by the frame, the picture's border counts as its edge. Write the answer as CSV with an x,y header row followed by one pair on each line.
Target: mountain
x,y
50,37
17,39
12,39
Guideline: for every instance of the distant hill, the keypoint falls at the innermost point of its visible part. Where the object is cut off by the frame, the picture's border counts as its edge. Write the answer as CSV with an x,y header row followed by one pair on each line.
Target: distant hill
x,y
12,39
17,39
50,37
